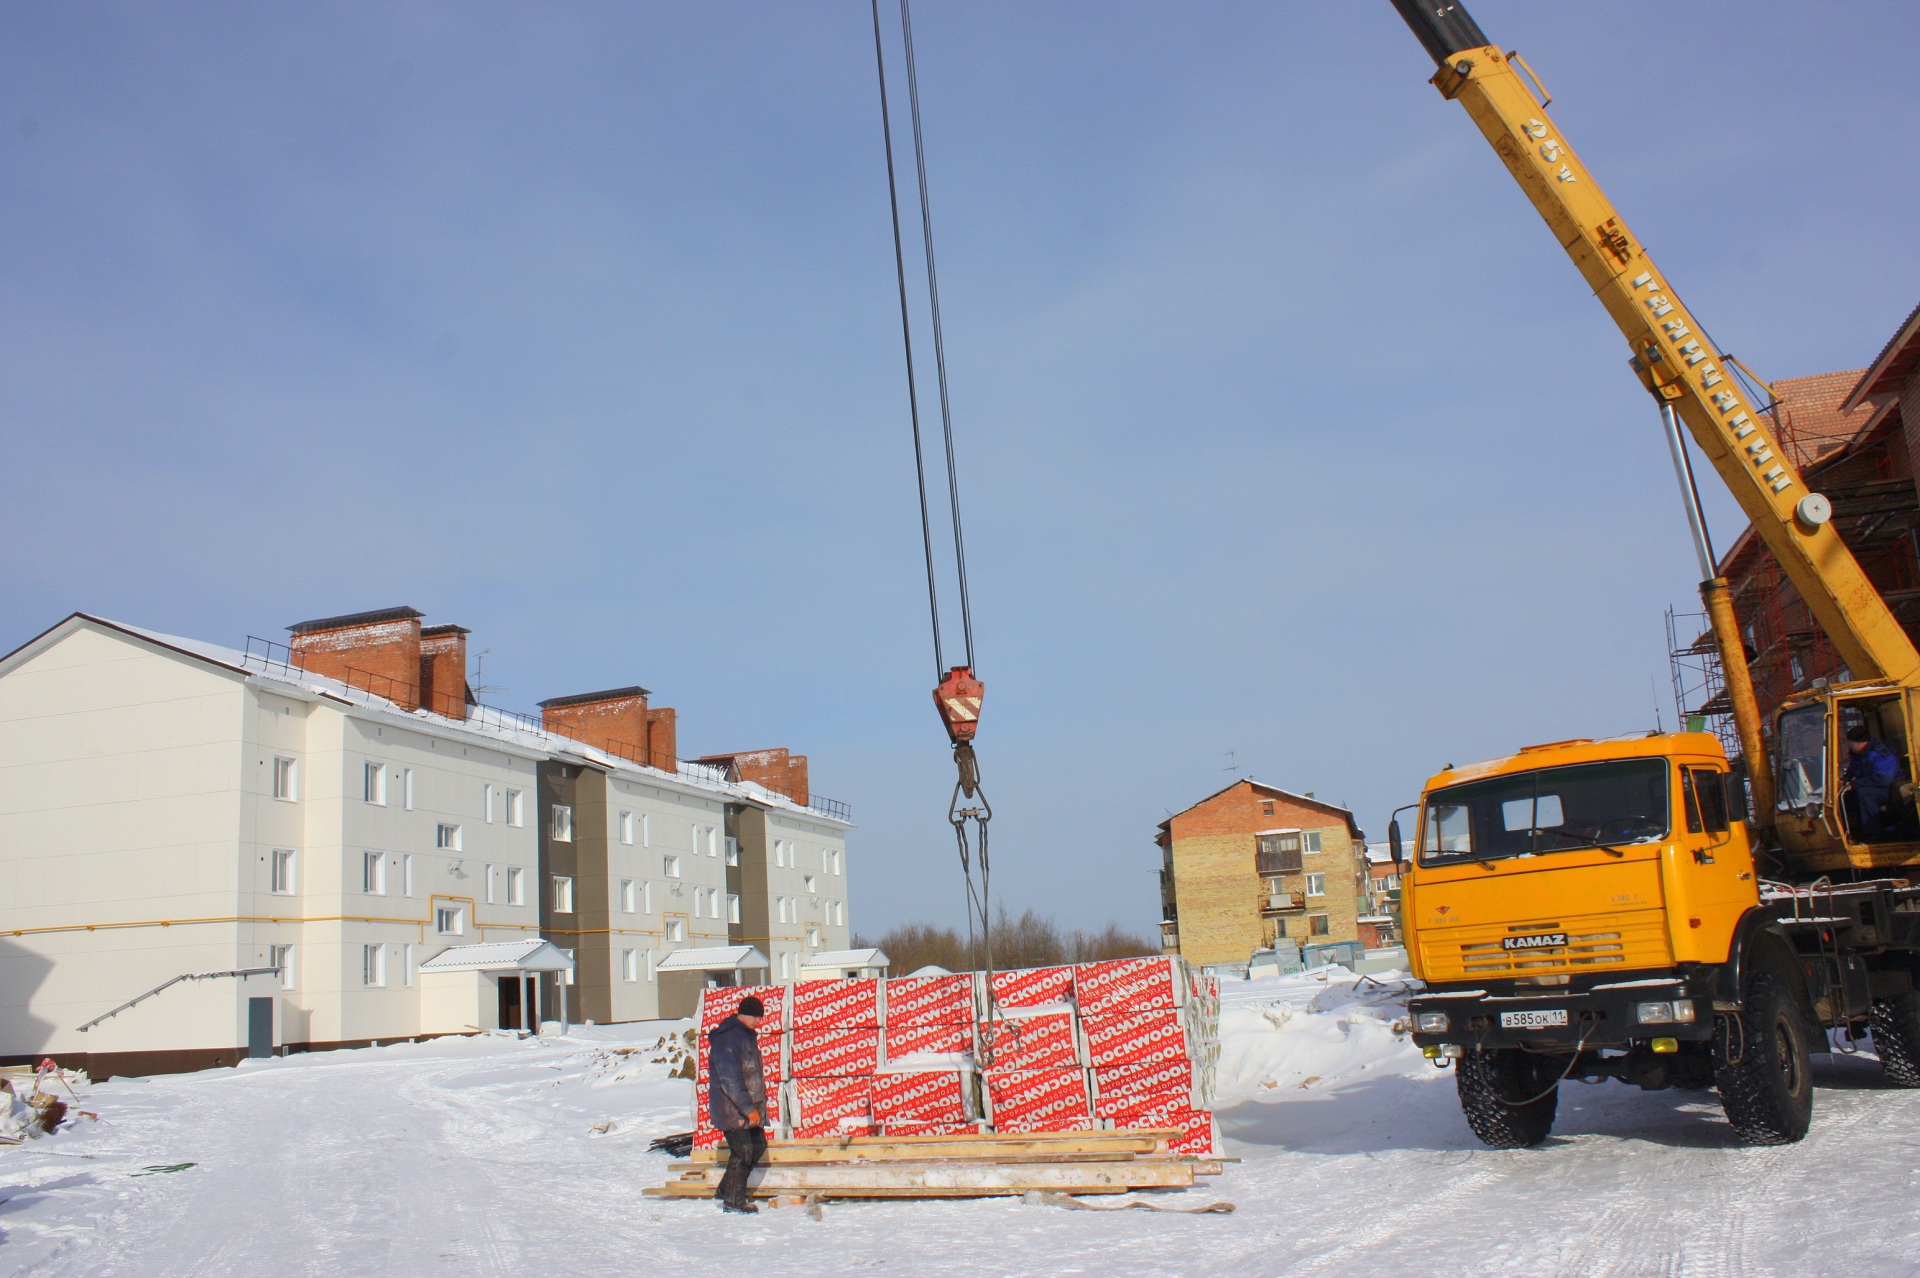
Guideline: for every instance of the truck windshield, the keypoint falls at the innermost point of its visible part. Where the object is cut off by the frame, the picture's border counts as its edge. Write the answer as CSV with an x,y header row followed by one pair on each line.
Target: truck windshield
x,y
1549,810
1800,759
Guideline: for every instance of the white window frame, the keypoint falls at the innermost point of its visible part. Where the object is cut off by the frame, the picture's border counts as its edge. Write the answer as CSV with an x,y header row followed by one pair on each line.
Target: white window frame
x,y
1316,885
813,936
283,871
373,781
454,914
1310,843
516,885
833,856
670,866
650,962
733,907
406,964
406,789
406,874
626,828
281,956
515,807
630,965
646,829
448,837
563,894
373,873
809,884
646,897
566,976
733,850
493,895
629,896
780,908
373,966
486,803
560,822
676,931
286,778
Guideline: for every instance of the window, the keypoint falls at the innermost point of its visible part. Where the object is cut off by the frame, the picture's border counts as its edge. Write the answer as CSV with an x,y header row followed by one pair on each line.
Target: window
x,y
672,866
286,778
516,807
563,894
406,964
373,965
493,878
783,853
813,937
733,908
373,873
1310,843
1316,885
839,913
676,930
629,965
281,956
713,903
406,788
646,898
629,896
447,837
450,920
649,965
699,901
807,884
516,885
375,783
626,832
562,823
1266,807
1706,800
283,872
486,804
1278,853
406,874
833,860
1317,925
646,830
780,909
733,850
566,977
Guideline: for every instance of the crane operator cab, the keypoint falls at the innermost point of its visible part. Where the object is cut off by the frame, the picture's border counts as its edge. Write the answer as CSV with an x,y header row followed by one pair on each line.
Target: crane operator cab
x,y
1843,779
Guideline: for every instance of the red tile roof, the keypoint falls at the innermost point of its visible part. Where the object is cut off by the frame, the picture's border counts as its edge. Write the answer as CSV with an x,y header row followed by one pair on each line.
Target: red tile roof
x,y
1895,362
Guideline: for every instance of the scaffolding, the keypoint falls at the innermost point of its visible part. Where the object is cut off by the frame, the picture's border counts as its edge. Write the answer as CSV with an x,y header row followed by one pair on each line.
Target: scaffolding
x,y
1699,684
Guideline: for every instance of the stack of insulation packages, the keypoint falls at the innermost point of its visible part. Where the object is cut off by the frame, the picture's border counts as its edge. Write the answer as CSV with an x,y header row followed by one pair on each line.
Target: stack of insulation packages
x,y
1127,1043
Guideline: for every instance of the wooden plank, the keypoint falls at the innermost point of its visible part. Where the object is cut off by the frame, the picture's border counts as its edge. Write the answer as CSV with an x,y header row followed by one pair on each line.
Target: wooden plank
x,y
1063,1176
852,1158
1011,1145
828,1195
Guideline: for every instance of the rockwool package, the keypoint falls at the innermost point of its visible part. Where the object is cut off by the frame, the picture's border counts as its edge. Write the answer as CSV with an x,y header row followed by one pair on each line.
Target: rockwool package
x,y
1128,1038
1131,984
1032,986
851,1004
926,1096
898,1041
830,1106
717,1005
1038,1100
1031,1039
928,1000
834,1053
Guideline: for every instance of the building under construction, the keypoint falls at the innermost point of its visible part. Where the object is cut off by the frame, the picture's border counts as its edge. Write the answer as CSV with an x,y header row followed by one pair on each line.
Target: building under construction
x,y
1854,436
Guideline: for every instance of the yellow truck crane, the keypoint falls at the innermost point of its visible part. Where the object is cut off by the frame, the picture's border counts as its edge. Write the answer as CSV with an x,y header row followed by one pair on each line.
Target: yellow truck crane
x,y
1593,909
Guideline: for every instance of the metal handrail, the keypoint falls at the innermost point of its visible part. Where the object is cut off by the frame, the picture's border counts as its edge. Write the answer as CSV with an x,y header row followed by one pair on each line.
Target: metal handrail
x,y
184,976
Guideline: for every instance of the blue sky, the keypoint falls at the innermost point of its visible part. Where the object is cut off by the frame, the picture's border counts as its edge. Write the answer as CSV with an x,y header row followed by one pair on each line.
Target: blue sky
x,y
1285,429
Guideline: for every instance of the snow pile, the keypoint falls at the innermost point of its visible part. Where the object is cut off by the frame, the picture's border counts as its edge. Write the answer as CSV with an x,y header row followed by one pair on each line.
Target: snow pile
x,y
1314,1029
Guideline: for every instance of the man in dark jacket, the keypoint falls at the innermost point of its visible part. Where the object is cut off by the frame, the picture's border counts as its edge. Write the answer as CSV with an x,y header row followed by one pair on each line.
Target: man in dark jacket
x,y
737,1098
1871,772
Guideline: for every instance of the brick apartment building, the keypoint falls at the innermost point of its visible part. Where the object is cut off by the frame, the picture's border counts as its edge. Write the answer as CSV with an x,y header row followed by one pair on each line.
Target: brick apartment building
x,y
357,850
1252,864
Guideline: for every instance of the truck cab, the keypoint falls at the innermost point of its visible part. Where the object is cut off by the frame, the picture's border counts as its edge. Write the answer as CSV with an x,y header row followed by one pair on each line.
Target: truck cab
x,y
1821,822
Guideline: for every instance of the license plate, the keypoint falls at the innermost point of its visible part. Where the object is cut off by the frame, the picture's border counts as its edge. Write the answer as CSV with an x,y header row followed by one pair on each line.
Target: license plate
x,y
1533,1020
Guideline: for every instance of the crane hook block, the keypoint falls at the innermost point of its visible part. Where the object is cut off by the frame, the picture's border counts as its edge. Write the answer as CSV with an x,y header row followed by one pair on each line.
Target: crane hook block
x,y
958,699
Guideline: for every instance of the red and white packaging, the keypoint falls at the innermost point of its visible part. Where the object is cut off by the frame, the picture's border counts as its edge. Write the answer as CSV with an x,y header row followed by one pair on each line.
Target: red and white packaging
x,y
909,1040
929,1000
830,1106
702,1124
772,1058
853,1004
1117,1086
1129,1038
717,1005
836,1053
1194,1125
1130,984
1039,1100
908,1128
924,1096
1032,986
1045,1041
705,1137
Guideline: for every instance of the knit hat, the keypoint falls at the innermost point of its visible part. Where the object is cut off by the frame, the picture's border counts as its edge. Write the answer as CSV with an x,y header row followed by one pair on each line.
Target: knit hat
x,y
751,1006
1858,732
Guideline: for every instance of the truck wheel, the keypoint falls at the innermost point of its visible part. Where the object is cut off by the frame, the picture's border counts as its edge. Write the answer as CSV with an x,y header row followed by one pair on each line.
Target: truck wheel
x,y
1768,1091
1491,1082
1896,1037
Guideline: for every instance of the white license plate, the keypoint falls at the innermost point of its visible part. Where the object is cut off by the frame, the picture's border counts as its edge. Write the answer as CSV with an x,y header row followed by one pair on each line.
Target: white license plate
x,y
1533,1020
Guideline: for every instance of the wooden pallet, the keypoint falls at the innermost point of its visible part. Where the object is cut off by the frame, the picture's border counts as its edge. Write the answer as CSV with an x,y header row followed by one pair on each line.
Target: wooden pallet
x,y
970,1166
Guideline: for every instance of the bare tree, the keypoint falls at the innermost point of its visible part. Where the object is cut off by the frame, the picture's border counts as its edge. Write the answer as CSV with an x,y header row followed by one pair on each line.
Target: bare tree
x,y
1029,940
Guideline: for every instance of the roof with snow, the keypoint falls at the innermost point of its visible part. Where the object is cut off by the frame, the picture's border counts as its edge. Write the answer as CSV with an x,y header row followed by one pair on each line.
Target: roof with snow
x,y
846,959
719,958
1353,826
500,956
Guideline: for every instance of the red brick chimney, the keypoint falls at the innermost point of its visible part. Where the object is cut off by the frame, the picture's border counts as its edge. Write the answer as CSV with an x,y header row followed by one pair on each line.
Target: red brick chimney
x,y
443,670
378,652
777,770
618,721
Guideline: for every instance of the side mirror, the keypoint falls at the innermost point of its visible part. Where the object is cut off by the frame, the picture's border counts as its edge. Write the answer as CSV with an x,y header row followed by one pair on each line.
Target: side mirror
x,y
1736,789
1394,844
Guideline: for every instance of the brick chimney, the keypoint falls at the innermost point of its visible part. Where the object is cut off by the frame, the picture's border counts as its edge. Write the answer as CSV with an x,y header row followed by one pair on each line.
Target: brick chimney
x,y
378,652
618,721
777,770
443,670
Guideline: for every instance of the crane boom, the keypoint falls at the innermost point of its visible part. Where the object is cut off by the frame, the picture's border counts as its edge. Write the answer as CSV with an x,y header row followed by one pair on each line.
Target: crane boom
x,y
1670,351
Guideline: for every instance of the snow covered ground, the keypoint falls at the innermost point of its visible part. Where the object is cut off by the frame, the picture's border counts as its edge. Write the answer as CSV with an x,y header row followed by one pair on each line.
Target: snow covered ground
x,y
496,1156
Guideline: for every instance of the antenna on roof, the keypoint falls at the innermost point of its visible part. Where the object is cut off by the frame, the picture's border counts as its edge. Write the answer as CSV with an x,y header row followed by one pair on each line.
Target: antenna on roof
x,y
1233,764
1653,690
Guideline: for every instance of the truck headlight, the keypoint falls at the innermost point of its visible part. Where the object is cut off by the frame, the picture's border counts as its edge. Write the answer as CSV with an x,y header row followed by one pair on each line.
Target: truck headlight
x,y
1432,1023
1678,1012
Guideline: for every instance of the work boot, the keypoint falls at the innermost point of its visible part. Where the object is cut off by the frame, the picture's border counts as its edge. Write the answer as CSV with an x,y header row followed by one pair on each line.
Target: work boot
x,y
745,1209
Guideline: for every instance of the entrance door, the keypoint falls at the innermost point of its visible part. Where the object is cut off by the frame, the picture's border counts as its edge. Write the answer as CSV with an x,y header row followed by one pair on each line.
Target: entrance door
x,y
259,1027
510,1002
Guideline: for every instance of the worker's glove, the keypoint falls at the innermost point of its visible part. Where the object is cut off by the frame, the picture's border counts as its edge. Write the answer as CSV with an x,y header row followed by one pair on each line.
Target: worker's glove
x,y
753,1118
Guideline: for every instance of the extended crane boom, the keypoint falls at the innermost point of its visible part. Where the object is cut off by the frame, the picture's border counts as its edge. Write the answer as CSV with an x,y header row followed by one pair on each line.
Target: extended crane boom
x,y
1670,353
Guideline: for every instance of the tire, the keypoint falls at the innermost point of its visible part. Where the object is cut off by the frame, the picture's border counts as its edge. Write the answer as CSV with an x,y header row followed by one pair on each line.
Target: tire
x,y
1768,1092
1490,1082
1896,1037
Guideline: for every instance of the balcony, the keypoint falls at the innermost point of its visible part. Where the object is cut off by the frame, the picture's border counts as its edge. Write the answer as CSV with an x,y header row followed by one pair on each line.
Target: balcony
x,y
1272,903
1170,937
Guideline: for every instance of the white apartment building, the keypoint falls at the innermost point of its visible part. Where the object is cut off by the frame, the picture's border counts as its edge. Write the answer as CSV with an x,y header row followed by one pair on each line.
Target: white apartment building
x,y
170,808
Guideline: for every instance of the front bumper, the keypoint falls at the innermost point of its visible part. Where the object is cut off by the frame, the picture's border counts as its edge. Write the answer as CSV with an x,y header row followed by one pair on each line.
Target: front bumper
x,y
1600,1014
